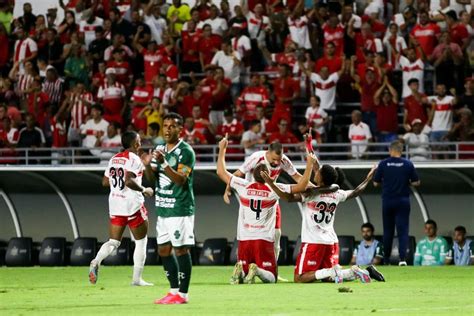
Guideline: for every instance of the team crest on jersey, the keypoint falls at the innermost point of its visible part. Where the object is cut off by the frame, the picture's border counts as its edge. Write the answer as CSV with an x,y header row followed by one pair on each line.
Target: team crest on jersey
x,y
177,151
164,180
172,161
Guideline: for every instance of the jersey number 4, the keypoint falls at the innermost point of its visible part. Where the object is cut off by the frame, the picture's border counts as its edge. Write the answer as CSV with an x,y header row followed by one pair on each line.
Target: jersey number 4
x,y
117,175
256,206
325,212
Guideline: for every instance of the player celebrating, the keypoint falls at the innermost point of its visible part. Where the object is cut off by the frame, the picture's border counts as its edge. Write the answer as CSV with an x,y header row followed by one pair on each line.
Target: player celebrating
x,y
316,259
275,161
124,177
172,169
256,224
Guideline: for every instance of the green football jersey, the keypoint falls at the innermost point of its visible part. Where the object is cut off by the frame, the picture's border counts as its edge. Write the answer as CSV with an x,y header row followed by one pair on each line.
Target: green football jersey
x,y
173,200
431,252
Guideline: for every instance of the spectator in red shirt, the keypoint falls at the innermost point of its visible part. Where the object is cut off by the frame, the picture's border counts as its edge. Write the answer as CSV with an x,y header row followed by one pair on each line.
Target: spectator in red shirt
x,y
415,105
37,101
234,130
191,135
447,58
201,124
8,139
368,85
330,60
123,73
190,43
152,57
386,102
58,130
209,44
426,33
365,41
219,89
252,96
141,97
334,32
457,30
283,135
286,90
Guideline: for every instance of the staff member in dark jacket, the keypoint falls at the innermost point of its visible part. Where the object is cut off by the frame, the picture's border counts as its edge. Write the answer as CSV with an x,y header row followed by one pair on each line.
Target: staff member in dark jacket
x,y
396,174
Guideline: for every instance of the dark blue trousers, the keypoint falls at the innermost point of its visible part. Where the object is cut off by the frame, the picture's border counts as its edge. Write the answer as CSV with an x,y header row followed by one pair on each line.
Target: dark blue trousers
x,y
396,213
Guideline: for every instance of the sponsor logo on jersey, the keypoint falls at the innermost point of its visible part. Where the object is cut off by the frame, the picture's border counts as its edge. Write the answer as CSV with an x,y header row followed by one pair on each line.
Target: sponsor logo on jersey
x,y
311,263
266,264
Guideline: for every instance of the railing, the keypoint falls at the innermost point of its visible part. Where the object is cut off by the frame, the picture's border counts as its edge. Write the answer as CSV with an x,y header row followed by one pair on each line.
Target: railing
x,y
207,154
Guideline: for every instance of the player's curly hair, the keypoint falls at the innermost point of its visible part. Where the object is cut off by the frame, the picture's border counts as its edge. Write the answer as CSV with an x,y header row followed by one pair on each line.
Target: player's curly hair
x,y
331,175
128,138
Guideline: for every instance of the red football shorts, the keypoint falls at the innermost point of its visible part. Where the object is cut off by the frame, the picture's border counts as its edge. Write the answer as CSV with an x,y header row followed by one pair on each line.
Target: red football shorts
x,y
260,252
132,221
313,257
278,217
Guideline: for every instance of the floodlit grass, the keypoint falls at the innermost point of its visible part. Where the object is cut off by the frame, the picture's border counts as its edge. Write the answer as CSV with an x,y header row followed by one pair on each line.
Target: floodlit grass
x,y
66,291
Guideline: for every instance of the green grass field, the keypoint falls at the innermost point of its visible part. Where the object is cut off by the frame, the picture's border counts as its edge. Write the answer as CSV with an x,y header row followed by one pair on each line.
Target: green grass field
x,y
66,291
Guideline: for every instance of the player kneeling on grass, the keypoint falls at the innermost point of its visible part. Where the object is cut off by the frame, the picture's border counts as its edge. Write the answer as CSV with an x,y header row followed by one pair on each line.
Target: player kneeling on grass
x,y
256,224
124,177
317,257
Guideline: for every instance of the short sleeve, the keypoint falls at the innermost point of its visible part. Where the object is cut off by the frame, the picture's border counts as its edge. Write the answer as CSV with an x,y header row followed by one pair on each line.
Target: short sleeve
x,y
413,174
288,166
134,165
314,77
367,131
379,251
335,77
187,158
100,93
238,184
323,113
342,195
307,114
249,163
284,187
379,173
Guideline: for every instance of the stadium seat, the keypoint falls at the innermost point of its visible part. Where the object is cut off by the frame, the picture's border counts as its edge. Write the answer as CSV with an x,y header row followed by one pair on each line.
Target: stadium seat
x,y
3,251
52,251
152,252
83,251
296,250
213,252
283,257
346,249
122,255
449,240
394,256
19,252
234,251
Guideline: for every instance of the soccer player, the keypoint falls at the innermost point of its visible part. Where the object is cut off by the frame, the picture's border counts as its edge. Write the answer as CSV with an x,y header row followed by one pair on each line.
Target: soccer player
x,y
276,162
124,177
316,259
431,250
172,168
256,224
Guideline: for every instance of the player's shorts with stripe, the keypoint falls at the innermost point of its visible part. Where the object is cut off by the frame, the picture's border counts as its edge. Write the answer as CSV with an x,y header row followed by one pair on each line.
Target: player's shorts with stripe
x,y
278,217
133,220
179,230
313,257
259,252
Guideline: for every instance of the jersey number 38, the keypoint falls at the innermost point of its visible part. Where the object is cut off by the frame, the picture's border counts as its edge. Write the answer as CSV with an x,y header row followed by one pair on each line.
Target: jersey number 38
x,y
117,175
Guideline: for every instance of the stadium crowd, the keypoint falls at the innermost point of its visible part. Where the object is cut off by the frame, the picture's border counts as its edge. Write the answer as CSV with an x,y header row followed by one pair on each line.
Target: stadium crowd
x,y
242,68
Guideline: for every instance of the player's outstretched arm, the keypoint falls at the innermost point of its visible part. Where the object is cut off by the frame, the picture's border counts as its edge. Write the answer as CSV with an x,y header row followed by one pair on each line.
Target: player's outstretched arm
x,y
361,187
222,172
283,195
132,184
303,182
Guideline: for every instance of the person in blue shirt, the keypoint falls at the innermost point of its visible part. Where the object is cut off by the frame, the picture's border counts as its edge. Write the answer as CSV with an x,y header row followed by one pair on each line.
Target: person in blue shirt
x,y
462,251
370,250
395,174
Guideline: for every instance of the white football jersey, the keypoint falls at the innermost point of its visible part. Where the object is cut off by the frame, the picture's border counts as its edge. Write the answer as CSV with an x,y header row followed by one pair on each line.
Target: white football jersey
x,y
257,211
259,157
443,115
318,214
124,201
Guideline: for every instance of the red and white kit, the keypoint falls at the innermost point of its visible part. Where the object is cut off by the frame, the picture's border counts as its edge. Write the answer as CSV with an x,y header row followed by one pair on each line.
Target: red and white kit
x,y
125,205
256,224
259,157
319,243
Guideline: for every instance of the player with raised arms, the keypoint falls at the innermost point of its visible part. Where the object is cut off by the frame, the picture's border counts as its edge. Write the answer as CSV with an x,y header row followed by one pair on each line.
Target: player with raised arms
x,y
316,258
172,166
124,177
256,223
276,162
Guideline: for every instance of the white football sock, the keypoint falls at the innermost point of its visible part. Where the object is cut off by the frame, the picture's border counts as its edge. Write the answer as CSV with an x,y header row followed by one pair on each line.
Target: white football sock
x,y
174,291
324,274
106,249
139,257
265,276
276,244
183,295
348,275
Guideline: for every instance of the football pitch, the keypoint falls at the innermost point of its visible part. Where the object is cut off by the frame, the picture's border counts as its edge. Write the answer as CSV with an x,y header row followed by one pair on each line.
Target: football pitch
x,y
66,291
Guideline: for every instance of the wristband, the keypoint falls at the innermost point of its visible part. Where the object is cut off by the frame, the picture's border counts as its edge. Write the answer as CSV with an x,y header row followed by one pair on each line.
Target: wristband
x,y
142,189
164,164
